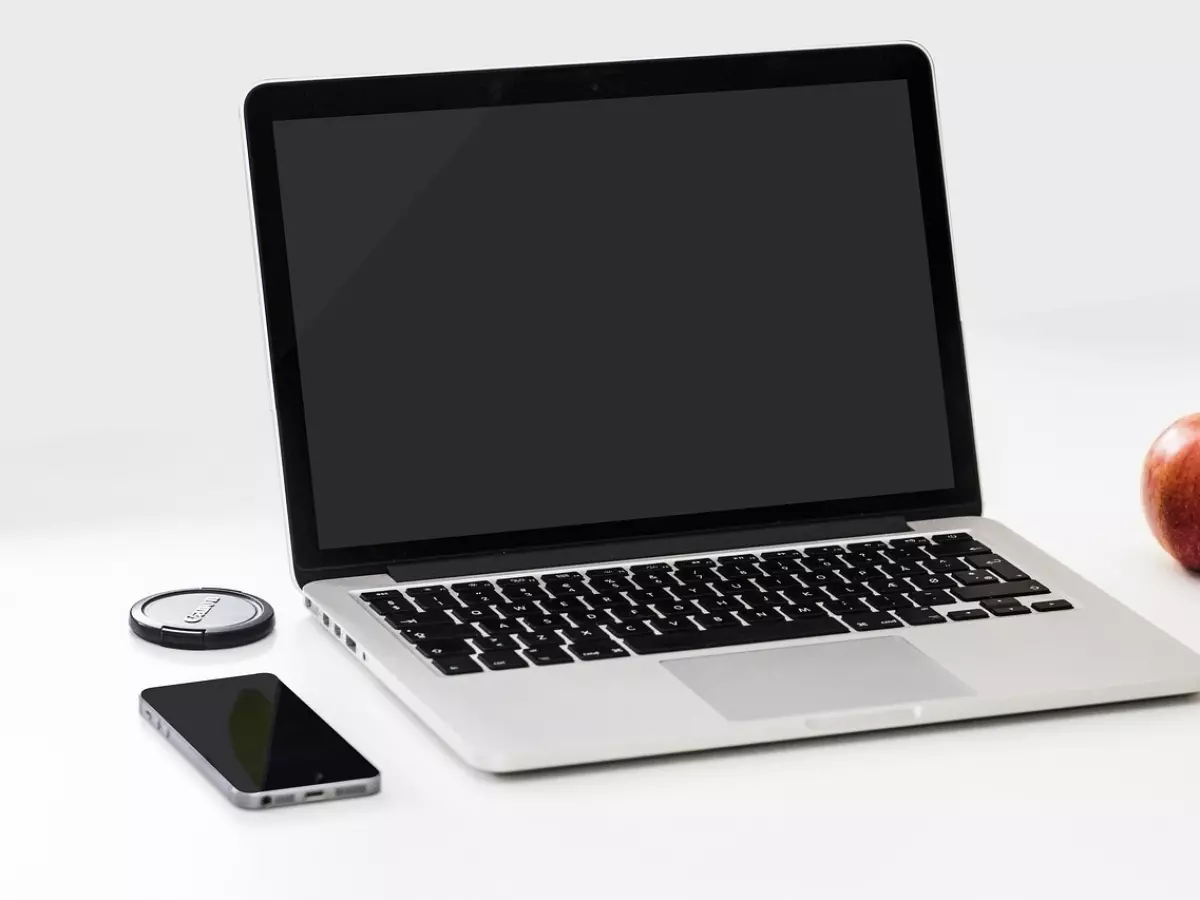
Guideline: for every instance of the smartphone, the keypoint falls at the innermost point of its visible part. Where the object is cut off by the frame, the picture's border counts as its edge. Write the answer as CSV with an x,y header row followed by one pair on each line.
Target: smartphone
x,y
257,742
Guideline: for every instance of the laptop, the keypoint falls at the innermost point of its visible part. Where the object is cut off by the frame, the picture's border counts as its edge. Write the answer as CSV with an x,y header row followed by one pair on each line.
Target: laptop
x,y
623,411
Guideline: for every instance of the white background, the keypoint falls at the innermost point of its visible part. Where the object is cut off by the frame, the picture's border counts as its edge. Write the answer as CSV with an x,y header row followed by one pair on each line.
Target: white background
x,y
136,455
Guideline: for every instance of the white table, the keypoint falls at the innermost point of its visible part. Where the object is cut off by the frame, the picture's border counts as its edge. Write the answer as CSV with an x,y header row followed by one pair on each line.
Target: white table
x,y
1098,803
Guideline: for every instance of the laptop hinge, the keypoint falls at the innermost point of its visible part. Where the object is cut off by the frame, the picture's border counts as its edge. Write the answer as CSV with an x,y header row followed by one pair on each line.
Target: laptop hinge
x,y
669,545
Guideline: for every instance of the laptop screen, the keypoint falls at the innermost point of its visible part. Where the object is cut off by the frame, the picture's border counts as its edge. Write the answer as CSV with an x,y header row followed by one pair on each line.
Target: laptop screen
x,y
566,313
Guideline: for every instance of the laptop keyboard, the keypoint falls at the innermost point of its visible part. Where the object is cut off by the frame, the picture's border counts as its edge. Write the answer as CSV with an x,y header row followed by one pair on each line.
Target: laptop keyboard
x,y
701,602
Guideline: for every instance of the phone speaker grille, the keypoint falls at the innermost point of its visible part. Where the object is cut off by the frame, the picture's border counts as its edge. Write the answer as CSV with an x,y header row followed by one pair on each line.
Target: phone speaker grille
x,y
285,798
350,790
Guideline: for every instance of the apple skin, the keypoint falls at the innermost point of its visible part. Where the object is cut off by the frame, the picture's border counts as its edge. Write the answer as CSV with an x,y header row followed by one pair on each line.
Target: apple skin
x,y
1171,490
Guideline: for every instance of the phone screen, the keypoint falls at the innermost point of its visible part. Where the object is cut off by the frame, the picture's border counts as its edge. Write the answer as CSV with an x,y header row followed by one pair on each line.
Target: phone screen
x,y
257,733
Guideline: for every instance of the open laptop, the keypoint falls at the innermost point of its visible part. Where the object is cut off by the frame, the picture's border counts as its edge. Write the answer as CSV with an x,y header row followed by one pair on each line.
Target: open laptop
x,y
623,410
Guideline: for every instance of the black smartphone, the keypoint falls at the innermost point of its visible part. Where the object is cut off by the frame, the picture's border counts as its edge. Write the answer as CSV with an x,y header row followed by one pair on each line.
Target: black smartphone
x,y
257,742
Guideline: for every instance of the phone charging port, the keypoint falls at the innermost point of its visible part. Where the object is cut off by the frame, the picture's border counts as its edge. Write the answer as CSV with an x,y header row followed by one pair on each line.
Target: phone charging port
x,y
313,795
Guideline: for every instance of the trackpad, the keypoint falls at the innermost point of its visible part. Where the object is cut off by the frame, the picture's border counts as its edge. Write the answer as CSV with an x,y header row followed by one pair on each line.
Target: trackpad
x,y
789,681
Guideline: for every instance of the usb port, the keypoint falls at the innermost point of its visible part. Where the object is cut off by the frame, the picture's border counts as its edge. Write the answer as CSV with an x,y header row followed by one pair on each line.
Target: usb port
x,y
337,630
351,643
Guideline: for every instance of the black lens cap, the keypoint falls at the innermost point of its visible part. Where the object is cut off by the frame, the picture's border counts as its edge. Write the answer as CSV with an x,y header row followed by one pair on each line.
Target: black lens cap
x,y
202,619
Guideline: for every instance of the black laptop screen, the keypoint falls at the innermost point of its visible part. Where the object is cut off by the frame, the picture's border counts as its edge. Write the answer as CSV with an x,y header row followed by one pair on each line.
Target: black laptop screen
x,y
524,317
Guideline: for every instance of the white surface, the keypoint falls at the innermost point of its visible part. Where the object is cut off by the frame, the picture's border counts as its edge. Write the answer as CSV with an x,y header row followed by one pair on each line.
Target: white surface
x,y
1071,145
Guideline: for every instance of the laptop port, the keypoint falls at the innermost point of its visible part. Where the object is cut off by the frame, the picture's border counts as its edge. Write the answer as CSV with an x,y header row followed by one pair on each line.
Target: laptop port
x,y
351,643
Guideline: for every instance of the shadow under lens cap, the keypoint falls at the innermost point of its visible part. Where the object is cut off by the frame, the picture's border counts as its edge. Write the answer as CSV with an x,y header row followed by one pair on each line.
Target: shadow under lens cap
x,y
202,619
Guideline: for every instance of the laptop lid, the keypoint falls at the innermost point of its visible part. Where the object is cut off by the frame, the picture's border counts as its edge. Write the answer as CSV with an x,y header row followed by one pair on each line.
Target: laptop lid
x,y
541,307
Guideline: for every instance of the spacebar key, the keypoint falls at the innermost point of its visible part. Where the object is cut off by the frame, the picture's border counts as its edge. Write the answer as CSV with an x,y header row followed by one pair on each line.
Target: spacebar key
x,y
726,637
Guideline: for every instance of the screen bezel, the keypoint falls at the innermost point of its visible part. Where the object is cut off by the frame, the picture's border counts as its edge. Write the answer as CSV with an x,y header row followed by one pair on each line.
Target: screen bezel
x,y
277,101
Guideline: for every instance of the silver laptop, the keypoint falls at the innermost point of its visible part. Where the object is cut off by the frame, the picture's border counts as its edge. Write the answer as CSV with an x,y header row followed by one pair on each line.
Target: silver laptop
x,y
623,411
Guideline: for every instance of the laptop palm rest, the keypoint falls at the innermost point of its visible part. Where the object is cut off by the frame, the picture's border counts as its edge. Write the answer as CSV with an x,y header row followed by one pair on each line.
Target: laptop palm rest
x,y
817,679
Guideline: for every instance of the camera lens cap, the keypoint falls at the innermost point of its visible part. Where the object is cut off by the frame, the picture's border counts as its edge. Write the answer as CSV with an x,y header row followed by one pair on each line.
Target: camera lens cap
x,y
202,619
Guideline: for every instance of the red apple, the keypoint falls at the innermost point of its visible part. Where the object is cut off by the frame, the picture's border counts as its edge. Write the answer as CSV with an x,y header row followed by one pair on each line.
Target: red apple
x,y
1171,490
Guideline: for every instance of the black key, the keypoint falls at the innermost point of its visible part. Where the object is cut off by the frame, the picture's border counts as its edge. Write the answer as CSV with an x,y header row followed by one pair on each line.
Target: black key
x,y
517,609
692,576
502,626
655,579
954,537
919,616
583,618
761,616
548,656
398,609
457,665
1051,605
718,620
612,584
542,639
650,595
758,599
973,577
498,660
998,565
842,590
862,574
846,607
419,633
599,573
476,613
863,560
402,619
674,623
372,596
776,566
587,633
804,595
737,558
470,587
728,637
693,591
488,644
525,580
733,585
651,567
805,610
902,553
562,576
966,548
902,569
607,601
860,546
564,604
770,583
931,582
889,603
436,649
887,586
628,629
781,554
909,542
931,598
702,562
623,614
438,601
426,590
720,605
738,570
995,591
569,589
873,621
593,650
820,563
524,592
944,566
817,579
961,615
1015,609
544,622
831,550
676,608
